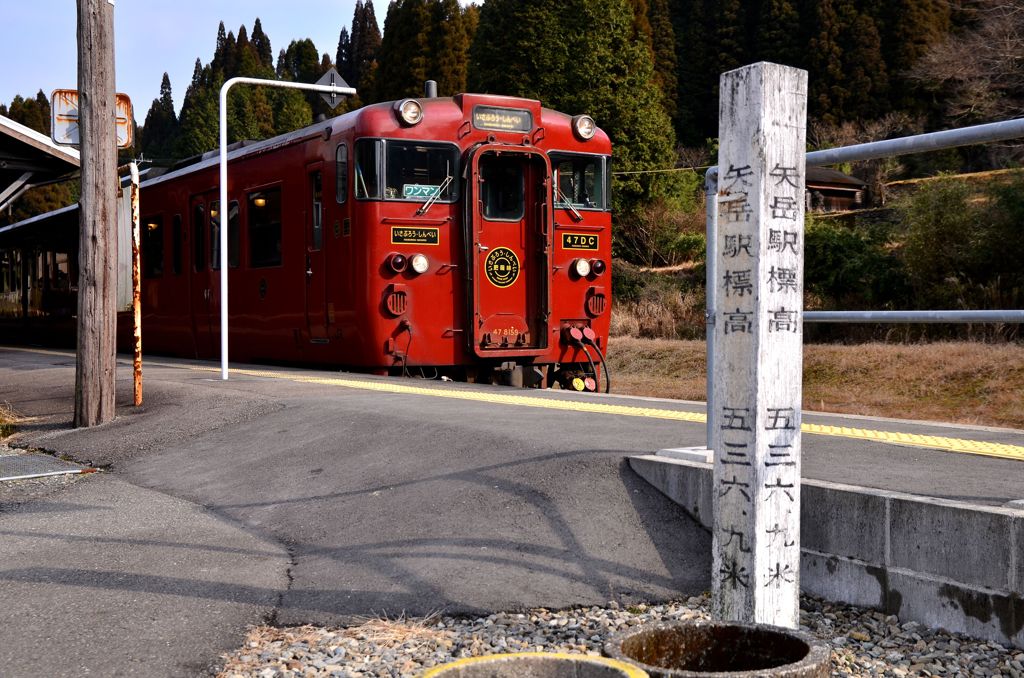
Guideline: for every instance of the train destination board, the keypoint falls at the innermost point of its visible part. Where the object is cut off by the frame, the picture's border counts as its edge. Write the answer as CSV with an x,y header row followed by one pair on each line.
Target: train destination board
x,y
502,119
579,241
414,235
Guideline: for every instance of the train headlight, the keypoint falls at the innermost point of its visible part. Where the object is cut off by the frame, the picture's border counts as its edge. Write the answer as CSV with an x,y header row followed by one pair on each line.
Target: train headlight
x,y
598,267
397,262
419,263
582,267
584,127
409,111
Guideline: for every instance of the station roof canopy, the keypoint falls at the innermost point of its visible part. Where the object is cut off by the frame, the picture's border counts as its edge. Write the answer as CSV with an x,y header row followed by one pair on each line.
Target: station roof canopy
x,y
29,159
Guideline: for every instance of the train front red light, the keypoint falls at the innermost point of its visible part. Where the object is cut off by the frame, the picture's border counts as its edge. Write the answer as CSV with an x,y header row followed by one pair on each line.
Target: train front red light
x,y
397,262
598,267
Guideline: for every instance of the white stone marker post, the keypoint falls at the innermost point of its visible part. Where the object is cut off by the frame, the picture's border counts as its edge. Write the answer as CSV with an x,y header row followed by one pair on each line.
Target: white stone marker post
x,y
758,345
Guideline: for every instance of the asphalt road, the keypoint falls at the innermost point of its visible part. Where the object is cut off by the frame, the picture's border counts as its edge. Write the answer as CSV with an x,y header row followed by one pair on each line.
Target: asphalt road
x,y
230,503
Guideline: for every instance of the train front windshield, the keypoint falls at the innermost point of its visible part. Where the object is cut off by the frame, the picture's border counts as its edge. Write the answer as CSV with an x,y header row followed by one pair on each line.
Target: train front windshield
x,y
413,170
579,181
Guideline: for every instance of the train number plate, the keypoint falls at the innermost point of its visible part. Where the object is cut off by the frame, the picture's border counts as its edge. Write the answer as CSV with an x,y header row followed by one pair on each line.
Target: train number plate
x,y
579,241
412,235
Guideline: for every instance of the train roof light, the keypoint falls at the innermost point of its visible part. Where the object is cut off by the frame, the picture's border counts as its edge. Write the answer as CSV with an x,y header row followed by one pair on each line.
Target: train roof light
x,y
584,127
409,111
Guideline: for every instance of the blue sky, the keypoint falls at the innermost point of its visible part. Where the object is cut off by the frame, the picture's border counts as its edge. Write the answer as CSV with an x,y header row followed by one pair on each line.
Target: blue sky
x,y
38,40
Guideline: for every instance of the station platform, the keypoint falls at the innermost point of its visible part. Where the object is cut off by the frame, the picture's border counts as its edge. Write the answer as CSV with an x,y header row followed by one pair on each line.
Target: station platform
x,y
348,495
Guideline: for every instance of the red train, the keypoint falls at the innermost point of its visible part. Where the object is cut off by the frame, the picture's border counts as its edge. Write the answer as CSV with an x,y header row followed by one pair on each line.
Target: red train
x,y
467,237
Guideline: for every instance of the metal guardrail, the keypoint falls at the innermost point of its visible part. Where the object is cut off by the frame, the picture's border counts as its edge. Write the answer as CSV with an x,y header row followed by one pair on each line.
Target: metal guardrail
x,y
914,316
919,143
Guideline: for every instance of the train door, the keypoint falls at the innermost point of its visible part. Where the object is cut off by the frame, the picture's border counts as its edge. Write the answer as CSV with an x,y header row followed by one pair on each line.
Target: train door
x,y
199,276
316,270
510,244
205,272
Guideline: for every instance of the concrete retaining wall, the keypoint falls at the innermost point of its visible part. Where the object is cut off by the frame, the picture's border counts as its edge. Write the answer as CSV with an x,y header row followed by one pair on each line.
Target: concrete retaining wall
x,y
942,563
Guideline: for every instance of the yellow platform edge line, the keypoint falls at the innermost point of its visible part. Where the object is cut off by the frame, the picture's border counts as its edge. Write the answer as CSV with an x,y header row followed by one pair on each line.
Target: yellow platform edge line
x,y
946,444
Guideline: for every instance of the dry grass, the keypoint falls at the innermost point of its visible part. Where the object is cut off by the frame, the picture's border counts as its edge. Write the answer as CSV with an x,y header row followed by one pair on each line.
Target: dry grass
x,y
962,382
672,314
7,419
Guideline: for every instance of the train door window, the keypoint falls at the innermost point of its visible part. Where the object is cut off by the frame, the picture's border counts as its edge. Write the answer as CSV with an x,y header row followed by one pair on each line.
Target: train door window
x,y
176,244
317,223
502,187
264,216
215,236
579,180
153,246
6,271
420,171
341,173
367,175
233,243
233,235
198,241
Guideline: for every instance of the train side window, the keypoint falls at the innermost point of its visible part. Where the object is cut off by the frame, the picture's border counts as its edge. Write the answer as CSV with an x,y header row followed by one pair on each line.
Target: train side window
x,y
264,217
198,242
176,244
341,173
503,188
367,168
153,246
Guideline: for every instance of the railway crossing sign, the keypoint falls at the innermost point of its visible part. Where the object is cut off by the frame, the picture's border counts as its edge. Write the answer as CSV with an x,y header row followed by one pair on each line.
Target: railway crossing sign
x,y
332,79
64,128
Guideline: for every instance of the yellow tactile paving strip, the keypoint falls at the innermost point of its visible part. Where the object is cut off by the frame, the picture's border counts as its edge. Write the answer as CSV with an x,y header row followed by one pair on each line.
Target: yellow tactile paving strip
x,y
944,443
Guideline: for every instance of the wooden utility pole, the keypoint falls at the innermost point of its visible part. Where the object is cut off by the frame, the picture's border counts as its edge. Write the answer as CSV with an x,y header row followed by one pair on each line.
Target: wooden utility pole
x,y
97,259
758,345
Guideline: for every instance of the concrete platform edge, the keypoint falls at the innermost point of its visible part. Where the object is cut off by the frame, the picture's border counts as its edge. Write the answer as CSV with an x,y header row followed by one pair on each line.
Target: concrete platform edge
x,y
939,562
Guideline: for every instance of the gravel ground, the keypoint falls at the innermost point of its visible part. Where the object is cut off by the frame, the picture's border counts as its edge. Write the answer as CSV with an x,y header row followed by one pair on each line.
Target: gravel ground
x,y
865,642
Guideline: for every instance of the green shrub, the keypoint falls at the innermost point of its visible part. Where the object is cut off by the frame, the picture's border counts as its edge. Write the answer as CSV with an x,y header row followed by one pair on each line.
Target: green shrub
x,y
852,268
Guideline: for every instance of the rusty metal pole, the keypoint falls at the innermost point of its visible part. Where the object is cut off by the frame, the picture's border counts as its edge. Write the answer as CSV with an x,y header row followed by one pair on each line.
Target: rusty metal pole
x,y
136,286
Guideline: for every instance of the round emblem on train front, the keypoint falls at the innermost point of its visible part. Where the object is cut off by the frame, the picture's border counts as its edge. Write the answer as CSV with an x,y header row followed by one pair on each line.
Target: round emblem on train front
x,y
502,267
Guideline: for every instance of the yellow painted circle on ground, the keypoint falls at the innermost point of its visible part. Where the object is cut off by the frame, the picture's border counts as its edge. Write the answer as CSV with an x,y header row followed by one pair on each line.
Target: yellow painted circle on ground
x,y
485,666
